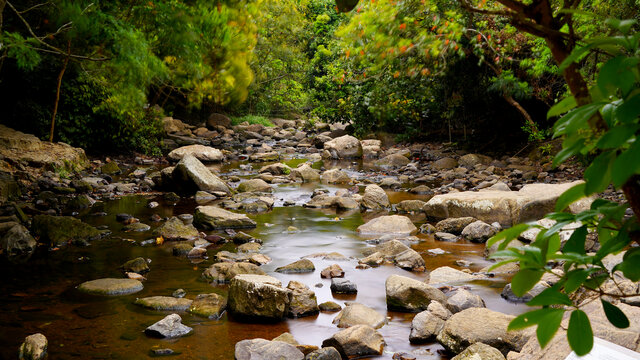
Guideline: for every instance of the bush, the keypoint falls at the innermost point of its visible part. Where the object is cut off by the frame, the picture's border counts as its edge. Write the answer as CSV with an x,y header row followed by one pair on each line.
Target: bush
x,y
251,119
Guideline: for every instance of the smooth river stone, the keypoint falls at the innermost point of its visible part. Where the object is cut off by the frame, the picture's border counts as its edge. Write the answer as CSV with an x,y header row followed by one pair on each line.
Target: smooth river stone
x,y
164,303
111,286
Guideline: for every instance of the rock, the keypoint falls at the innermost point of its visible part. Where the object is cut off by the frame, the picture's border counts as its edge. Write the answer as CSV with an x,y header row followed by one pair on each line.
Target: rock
x,y
254,185
425,327
179,293
225,271
446,163
480,325
371,149
463,299
480,351
393,160
136,227
531,202
335,176
332,271
109,286
410,206
79,202
397,253
343,147
558,348
478,232
254,349
303,300
297,267
448,275
168,328
213,217
471,160
454,225
34,347
216,120
172,125
201,152
17,242
259,297
305,173
162,352
343,286
191,175
356,341
375,198
337,202
164,303
138,265
203,197
27,148
443,236
389,224
208,305
406,294
328,353
61,230
358,314
182,249
508,294
329,306
265,156
175,229
275,169
110,168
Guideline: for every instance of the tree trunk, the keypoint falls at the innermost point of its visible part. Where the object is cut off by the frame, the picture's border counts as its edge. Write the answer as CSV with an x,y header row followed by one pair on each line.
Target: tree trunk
x,y
2,4
632,192
55,105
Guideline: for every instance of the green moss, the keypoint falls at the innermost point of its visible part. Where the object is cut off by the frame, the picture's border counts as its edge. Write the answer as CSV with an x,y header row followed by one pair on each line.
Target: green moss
x,y
60,230
252,119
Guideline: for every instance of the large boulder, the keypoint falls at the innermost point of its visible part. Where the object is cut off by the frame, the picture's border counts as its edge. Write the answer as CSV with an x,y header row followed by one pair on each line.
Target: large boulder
x,y
389,224
480,351
303,300
454,225
531,202
481,325
213,217
425,326
191,175
201,152
359,314
446,163
258,297
394,252
343,147
406,294
374,198
168,328
254,185
17,242
356,341
175,229
558,348
61,230
371,149
34,347
393,160
216,120
305,173
261,349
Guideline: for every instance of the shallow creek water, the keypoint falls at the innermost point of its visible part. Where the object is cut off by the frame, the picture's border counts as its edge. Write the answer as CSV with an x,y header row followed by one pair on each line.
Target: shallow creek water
x,y
40,296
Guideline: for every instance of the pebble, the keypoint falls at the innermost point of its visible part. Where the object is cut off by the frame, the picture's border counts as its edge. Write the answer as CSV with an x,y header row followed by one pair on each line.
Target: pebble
x,y
179,293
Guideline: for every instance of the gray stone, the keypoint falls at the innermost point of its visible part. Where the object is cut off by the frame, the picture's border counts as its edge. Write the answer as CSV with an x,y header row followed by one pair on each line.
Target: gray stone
x,y
478,231
213,217
34,347
254,185
305,173
164,303
297,267
375,198
191,175
303,300
175,229
328,353
406,294
410,206
208,305
480,351
261,349
109,286
343,147
201,152
389,224
425,327
454,225
17,242
168,328
448,275
356,341
335,176
259,297
463,299
343,286
359,314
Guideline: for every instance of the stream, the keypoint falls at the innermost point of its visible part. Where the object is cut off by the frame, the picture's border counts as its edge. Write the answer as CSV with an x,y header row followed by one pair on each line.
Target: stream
x,y
41,295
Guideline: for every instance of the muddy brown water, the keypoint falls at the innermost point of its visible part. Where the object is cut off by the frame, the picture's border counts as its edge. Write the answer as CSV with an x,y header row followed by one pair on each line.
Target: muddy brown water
x,y
41,295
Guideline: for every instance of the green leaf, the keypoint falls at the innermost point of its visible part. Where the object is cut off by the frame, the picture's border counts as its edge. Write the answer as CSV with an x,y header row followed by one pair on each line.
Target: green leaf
x,y
508,234
576,119
626,165
501,263
575,278
576,242
562,107
615,75
568,152
570,196
579,334
628,111
524,280
615,315
346,5
528,319
619,135
598,175
550,296
548,326
629,265
611,244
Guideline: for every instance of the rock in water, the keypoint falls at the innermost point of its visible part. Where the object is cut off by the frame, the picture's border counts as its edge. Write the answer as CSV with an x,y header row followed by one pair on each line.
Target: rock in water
x,y
406,294
191,175
208,305
305,173
109,286
168,328
332,271
138,265
258,296
425,326
297,267
356,341
61,230
343,286
201,152
254,185
358,314
389,224
463,299
164,303
17,243
303,300
479,351
480,325
254,349
34,347
375,198
343,147
175,229
213,217
328,353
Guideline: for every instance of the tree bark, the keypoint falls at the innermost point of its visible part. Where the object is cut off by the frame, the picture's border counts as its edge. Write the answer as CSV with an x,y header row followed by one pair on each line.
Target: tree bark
x,y
55,105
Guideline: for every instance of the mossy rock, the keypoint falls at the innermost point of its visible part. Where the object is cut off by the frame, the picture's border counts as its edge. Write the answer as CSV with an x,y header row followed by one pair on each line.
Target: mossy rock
x,y
61,230
110,286
164,303
175,229
110,168
208,305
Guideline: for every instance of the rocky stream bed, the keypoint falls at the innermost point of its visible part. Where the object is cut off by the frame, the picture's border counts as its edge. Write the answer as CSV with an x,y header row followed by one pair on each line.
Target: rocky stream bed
x,y
338,247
